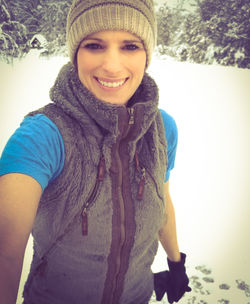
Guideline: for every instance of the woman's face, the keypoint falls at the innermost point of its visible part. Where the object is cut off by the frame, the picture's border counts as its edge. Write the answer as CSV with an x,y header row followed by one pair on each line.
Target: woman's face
x,y
111,64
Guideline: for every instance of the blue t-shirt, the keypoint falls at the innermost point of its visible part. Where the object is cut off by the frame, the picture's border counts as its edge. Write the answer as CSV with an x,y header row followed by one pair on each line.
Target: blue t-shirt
x,y
36,149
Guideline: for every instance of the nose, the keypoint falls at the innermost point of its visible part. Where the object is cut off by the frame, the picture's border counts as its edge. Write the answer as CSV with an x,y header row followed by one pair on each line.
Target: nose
x,y
112,61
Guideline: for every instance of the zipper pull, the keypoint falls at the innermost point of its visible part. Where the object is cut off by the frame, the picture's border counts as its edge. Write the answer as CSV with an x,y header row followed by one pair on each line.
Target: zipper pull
x,y
141,185
131,112
101,169
137,163
84,222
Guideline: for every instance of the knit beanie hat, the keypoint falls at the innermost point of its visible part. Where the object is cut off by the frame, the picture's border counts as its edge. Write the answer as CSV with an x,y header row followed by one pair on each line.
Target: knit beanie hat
x,y
86,17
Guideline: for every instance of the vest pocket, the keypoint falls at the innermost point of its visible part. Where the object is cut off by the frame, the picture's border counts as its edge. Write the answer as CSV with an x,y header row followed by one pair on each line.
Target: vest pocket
x,y
86,207
157,187
145,178
92,197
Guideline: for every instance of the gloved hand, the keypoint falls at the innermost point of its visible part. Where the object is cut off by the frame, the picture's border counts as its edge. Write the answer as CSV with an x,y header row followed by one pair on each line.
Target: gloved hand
x,y
174,282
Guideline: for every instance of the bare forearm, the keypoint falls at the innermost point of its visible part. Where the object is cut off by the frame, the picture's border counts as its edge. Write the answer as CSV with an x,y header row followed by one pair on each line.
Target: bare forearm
x,y
168,238
10,272
19,199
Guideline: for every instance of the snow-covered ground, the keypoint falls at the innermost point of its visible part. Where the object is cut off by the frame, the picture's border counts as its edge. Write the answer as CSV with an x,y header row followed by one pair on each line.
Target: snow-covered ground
x,y
210,182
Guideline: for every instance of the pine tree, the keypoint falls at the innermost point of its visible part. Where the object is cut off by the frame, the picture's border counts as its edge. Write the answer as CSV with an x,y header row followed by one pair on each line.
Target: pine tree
x,y
13,35
227,24
27,13
4,14
53,25
217,32
45,17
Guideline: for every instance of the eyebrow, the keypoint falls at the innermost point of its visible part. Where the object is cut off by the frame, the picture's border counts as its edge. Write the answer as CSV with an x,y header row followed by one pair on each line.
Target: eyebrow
x,y
124,41
132,41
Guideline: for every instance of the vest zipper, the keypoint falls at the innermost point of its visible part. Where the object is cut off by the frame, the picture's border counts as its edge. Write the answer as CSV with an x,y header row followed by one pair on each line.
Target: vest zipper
x,y
131,112
113,293
118,274
91,199
122,232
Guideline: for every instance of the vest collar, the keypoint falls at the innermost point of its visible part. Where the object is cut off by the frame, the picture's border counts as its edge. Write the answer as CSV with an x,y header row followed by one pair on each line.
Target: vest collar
x,y
70,94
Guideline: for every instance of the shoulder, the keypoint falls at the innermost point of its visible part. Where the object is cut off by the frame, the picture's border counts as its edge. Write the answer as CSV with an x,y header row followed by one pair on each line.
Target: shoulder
x,y
168,121
36,148
38,123
43,135
56,120
171,131
41,128
35,130
171,135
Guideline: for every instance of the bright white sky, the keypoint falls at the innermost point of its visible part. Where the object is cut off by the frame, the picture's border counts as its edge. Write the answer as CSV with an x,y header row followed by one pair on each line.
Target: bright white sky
x,y
210,182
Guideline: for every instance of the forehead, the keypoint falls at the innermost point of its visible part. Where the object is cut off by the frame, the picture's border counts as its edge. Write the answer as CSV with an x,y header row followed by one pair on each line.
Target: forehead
x,y
113,36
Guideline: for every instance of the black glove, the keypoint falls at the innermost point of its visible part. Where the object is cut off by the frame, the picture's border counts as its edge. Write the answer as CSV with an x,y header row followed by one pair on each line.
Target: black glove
x,y
174,282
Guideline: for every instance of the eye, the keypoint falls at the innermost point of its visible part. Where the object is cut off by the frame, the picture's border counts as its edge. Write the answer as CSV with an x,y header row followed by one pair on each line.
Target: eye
x,y
131,47
93,46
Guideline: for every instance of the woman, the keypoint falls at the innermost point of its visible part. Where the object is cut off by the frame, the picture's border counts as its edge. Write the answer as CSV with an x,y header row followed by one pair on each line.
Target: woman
x,y
86,173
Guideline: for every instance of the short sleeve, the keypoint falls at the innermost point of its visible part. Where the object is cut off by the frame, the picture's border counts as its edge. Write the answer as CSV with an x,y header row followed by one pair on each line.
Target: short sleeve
x,y
171,133
36,148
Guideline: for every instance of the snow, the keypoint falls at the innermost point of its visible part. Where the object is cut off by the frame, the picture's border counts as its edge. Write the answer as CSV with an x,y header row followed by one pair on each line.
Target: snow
x,y
210,182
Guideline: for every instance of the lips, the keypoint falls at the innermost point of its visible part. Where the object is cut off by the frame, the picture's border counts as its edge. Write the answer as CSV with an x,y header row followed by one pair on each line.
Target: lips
x,y
112,84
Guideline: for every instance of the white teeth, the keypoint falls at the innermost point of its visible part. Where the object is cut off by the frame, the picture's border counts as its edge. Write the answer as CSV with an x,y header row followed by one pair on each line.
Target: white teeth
x,y
112,84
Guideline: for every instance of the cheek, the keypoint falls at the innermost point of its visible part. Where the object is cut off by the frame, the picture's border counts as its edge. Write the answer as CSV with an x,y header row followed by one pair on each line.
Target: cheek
x,y
83,69
139,64
84,63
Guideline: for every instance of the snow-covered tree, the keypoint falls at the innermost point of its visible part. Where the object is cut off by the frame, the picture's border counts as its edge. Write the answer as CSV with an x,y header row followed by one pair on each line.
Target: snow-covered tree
x,y
27,13
4,13
227,24
13,35
45,17
53,25
217,32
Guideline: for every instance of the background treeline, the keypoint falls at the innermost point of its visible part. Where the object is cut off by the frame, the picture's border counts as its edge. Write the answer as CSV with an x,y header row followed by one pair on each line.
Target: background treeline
x,y
213,31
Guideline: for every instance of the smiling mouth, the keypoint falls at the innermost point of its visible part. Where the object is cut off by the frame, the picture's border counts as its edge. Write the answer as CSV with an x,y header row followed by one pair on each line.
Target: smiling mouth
x,y
111,84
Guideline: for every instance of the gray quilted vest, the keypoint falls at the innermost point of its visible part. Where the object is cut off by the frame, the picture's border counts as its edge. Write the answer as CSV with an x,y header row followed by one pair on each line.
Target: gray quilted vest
x,y
96,229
